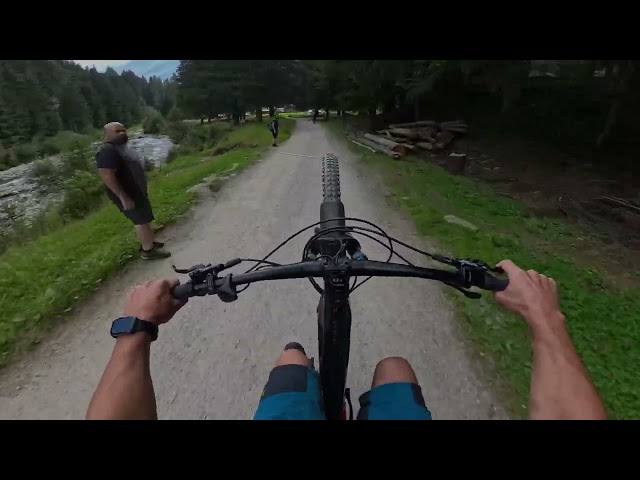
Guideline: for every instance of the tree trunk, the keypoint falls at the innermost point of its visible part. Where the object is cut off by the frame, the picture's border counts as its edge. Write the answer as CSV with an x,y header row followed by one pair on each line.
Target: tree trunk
x,y
201,120
259,114
389,106
621,91
510,95
612,117
272,111
372,119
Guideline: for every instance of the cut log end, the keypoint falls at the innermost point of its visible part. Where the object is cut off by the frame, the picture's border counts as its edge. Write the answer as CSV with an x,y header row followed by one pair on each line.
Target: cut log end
x,y
457,163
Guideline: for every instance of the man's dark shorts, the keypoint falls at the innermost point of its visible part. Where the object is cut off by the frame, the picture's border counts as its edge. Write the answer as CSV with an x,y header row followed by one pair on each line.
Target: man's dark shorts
x,y
293,393
141,214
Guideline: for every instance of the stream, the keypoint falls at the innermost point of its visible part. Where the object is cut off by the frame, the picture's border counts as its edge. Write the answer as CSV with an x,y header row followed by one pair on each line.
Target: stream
x,y
20,197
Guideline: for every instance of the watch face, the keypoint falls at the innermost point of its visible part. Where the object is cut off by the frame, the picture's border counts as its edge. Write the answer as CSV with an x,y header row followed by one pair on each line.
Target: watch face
x,y
123,325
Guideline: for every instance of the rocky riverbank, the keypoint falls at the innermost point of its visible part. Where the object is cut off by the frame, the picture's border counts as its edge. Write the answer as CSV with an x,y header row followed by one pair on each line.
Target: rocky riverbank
x,y
21,198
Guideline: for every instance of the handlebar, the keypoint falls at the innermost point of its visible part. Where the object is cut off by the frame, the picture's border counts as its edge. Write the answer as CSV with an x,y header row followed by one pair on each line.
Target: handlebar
x,y
495,284
225,288
182,291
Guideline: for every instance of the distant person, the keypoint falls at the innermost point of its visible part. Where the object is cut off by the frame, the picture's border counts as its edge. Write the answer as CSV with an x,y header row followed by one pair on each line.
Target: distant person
x,y
273,127
315,115
123,174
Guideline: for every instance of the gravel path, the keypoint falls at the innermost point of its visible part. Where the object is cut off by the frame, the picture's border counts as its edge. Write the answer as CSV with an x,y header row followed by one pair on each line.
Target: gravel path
x,y
212,359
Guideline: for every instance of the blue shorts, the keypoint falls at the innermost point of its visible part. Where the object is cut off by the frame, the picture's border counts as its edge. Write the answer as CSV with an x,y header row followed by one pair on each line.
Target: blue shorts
x,y
293,393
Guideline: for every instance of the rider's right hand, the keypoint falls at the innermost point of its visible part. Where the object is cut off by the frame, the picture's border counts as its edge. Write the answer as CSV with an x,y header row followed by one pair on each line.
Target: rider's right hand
x,y
153,302
531,295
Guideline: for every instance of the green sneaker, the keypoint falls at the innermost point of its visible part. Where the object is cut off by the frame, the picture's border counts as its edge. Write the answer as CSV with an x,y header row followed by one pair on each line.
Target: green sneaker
x,y
153,254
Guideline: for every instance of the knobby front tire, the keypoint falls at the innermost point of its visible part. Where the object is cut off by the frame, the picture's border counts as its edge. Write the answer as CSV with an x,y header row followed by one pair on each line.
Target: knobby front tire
x,y
330,178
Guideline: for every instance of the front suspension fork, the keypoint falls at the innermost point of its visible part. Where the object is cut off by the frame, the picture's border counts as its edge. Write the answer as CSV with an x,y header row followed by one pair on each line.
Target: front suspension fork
x,y
347,396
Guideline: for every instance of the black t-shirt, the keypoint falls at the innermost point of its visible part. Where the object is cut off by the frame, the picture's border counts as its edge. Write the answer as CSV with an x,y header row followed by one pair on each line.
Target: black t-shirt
x,y
108,157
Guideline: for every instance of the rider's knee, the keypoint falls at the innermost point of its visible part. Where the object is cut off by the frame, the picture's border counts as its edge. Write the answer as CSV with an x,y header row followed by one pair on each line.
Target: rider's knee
x,y
292,357
393,370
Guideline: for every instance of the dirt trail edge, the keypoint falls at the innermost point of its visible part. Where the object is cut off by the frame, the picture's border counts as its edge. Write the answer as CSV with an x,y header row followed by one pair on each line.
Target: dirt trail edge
x,y
212,360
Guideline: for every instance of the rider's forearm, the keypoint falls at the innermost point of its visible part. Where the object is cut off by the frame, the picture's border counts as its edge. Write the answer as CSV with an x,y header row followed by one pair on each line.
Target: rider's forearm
x,y
560,385
125,391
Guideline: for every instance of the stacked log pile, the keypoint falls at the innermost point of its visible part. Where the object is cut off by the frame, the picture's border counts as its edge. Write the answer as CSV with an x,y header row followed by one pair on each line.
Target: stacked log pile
x,y
401,139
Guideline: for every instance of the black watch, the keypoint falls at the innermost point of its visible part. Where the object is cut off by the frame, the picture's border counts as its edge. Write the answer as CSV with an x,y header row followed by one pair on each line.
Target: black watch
x,y
129,325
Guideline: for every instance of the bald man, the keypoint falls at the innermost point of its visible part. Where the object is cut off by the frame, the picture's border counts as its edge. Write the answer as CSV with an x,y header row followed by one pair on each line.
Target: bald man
x,y
122,171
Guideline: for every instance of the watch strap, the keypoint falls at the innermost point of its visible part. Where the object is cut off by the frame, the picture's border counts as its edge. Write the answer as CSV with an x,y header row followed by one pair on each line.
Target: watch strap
x,y
128,325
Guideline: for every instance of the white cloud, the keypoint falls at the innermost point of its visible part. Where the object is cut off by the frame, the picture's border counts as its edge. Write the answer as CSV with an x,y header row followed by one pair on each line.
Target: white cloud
x,y
101,65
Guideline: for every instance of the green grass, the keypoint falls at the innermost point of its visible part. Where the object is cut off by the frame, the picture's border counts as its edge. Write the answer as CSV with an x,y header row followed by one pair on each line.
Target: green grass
x,y
602,317
43,279
294,115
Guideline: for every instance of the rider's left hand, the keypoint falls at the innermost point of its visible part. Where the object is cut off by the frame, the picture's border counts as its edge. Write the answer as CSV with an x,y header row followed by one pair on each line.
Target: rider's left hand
x,y
153,302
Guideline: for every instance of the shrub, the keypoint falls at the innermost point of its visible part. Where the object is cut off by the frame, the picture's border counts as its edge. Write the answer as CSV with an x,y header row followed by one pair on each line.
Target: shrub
x,y
153,124
24,153
175,115
172,155
43,169
50,147
83,193
177,131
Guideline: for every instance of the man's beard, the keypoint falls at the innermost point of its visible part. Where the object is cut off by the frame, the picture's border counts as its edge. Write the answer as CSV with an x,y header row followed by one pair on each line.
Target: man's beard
x,y
121,140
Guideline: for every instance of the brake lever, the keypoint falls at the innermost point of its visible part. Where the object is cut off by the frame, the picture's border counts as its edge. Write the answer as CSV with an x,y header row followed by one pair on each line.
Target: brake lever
x,y
189,270
205,273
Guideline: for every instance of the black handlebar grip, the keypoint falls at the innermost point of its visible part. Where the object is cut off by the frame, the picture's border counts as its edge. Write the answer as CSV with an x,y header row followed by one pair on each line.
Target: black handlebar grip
x,y
495,284
182,291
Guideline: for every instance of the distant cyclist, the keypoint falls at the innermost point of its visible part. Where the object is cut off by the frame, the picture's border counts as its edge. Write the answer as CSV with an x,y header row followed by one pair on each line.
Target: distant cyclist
x,y
560,386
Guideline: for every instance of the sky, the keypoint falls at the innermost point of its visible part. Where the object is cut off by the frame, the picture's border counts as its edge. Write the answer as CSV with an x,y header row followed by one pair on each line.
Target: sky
x,y
101,65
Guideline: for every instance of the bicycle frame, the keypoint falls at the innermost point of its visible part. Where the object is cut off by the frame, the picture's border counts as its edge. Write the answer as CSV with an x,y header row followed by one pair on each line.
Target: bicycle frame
x,y
334,311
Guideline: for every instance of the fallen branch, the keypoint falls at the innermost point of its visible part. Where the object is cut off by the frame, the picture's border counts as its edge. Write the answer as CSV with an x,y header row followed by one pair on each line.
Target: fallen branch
x,y
560,207
363,145
618,201
378,148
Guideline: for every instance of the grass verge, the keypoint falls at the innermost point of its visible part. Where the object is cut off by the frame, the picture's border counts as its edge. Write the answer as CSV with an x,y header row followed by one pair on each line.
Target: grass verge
x,y
294,115
43,279
602,317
